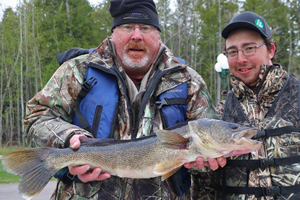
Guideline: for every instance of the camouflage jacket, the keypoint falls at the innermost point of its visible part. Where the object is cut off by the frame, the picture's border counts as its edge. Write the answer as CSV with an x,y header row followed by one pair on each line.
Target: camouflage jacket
x,y
50,114
265,107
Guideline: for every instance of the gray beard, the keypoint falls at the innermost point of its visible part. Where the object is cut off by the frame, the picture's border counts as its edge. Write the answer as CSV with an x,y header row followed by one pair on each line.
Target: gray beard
x,y
129,62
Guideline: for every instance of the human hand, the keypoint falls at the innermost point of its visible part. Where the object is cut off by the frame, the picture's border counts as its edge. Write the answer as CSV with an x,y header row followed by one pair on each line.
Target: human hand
x,y
84,172
75,141
213,163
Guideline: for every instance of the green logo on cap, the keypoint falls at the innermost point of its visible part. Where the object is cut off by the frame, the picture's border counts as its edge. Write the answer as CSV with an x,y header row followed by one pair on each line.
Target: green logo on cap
x,y
259,23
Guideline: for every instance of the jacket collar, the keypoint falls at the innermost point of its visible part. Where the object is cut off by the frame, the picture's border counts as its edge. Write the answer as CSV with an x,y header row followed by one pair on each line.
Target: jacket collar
x,y
270,81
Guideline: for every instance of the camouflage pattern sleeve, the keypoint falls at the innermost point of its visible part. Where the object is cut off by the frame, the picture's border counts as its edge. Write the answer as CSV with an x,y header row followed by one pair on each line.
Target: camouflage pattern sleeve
x,y
50,111
220,108
200,104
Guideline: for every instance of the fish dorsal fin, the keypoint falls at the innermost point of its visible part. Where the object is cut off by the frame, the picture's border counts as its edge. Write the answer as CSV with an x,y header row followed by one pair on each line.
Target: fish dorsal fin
x,y
172,139
167,169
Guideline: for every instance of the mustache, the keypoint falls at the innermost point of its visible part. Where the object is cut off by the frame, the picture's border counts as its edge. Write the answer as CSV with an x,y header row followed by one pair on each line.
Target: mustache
x,y
137,46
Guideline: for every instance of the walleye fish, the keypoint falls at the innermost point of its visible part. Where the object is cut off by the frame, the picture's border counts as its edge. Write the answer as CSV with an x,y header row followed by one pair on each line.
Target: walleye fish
x,y
142,158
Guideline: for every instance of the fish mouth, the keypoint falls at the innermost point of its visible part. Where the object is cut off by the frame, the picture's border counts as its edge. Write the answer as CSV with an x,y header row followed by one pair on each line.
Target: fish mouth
x,y
243,138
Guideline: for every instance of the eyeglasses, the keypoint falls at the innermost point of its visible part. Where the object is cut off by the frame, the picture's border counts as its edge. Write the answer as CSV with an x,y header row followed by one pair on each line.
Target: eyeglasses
x,y
129,28
248,50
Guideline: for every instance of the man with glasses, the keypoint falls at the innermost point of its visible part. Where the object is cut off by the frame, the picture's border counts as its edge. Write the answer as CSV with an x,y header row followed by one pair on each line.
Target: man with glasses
x,y
126,88
265,96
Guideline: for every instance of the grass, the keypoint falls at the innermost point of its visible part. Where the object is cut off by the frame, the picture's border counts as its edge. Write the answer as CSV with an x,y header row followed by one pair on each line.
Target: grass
x,y
7,177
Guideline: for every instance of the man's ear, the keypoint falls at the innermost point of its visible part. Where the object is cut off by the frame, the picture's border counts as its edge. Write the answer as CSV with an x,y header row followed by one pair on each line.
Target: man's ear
x,y
272,50
159,38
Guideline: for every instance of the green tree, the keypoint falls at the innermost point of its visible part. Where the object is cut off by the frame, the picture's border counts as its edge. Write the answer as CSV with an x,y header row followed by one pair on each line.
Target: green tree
x,y
210,37
102,22
8,87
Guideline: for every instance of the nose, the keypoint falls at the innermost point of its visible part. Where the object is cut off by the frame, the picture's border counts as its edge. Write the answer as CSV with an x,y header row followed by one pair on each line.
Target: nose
x,y
241,58
137,34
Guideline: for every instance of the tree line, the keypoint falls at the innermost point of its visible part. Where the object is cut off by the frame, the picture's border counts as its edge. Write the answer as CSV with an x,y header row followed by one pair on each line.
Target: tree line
x,y
32,35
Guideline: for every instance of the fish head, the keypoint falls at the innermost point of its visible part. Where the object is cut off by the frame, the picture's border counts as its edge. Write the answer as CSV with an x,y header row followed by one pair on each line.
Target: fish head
x,y
215,138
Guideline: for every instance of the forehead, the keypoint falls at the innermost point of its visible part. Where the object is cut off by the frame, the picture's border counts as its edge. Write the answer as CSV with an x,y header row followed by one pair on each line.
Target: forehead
x,y
243,36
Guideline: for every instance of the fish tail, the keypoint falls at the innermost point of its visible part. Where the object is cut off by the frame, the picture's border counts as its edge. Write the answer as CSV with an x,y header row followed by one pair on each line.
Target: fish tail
x,y
32,166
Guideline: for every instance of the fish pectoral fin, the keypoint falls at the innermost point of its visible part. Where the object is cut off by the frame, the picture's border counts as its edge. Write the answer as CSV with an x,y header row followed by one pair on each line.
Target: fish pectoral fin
x,y
170,173
172,140
167,169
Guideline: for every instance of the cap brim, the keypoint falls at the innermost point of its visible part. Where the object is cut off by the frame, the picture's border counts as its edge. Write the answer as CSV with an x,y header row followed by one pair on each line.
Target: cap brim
x,y
240,25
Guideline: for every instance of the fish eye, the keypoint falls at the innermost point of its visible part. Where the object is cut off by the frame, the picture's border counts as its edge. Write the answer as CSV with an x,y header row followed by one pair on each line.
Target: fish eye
x,y
233,126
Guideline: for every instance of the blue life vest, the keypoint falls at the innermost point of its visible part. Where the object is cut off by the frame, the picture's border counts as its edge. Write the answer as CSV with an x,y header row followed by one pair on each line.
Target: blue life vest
x,y
98,106
172,104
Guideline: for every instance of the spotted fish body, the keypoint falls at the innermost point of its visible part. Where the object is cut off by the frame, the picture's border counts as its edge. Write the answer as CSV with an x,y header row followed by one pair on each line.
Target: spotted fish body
x,y
158,155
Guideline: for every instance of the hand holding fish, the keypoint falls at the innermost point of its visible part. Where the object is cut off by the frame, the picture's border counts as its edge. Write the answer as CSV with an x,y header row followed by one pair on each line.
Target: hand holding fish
x,y
212,163
84,172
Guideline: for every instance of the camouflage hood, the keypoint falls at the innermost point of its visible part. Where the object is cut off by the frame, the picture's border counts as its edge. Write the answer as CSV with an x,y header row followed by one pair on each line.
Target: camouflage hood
x,y
270,81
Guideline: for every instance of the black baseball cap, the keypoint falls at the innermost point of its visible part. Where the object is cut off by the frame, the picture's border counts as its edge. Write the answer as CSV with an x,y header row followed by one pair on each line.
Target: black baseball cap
x,y
248,20
133,11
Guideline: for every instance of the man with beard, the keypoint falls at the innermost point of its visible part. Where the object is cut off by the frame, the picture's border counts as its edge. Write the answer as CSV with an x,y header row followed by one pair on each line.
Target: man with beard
x,y
126,88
